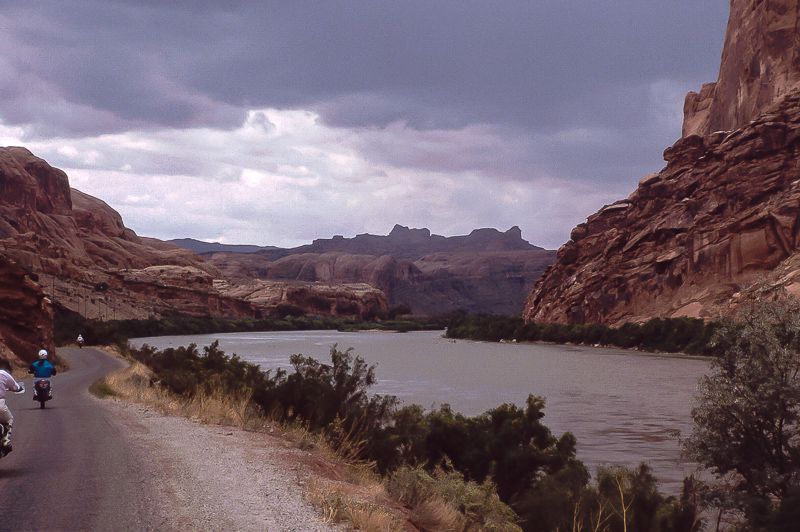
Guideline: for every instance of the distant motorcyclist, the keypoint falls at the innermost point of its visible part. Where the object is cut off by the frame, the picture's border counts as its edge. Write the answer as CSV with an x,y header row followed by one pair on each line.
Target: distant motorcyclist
x,y
7,383
41,369
80,341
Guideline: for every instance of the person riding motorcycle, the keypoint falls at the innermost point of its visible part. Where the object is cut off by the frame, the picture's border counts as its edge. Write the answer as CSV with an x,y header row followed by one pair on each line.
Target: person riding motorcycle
x,y
80,341
7,383
41,369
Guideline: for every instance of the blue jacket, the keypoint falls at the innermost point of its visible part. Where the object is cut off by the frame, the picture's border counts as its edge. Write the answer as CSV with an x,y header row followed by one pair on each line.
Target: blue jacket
x,y
42,369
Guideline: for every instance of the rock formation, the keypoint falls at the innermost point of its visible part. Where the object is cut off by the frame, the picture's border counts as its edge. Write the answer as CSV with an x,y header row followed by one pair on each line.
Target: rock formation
x,y
722,213
760,64
286,298
484,272
65,250
25,315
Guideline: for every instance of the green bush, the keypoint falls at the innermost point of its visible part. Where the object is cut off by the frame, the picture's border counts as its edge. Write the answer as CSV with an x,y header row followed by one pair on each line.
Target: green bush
x,y
506,450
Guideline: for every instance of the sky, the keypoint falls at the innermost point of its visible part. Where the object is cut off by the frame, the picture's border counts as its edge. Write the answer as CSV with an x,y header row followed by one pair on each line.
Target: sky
x,y
278,122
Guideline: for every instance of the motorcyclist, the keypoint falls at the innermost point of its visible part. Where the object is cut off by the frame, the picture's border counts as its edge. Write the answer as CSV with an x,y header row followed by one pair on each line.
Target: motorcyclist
x,y
7,383
80,341
41,369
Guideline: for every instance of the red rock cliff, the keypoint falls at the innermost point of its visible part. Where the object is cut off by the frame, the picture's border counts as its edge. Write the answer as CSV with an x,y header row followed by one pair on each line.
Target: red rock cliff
x,y
725,210
760,64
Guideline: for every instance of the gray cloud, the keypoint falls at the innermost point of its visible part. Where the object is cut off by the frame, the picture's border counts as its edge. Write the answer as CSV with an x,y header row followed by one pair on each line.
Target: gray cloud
x,y
438,64
540,97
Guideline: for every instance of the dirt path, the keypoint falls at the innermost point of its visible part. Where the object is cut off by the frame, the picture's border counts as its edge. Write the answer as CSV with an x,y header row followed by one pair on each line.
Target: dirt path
x,y
219,478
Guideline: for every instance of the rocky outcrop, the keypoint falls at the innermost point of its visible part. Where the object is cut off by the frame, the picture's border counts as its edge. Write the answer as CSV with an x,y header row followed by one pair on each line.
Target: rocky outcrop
x,y
760,64
25,315
65,250
723,212
484,272
354,300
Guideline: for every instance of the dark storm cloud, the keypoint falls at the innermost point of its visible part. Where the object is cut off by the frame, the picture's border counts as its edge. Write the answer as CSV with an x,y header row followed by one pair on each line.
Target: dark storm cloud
x,y
308,119
431,64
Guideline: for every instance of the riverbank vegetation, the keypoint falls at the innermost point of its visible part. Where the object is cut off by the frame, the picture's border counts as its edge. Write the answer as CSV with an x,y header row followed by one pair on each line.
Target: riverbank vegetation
x,y
501,470
747,425
671,335
747,421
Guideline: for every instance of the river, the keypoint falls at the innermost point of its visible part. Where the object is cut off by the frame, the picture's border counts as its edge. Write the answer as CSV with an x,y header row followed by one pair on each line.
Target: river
x,y
624,407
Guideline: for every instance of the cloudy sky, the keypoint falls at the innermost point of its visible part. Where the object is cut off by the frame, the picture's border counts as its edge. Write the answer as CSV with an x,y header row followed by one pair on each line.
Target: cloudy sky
x,y
277,122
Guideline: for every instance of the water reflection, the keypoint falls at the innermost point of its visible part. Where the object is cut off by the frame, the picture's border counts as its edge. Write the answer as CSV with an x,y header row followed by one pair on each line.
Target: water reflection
x,y
624,407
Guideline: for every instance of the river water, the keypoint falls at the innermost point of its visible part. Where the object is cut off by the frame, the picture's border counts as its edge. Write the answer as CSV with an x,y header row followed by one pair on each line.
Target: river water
x,y
624,407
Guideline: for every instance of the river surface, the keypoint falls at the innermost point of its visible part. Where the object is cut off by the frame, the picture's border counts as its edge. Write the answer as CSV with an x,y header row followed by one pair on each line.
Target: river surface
x,y
624,407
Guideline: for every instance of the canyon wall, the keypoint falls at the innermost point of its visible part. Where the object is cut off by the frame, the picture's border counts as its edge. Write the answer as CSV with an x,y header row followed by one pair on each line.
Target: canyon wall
x,y
724,211
760,64
64,251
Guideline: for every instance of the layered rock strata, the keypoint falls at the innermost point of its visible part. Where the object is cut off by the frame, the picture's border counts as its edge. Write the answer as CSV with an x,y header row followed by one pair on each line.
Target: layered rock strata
x,y
477,281
25,314
78,253
723,212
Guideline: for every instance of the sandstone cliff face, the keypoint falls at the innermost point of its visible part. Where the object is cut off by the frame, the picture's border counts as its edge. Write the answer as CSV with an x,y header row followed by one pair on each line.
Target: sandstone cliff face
x,y
86,261
722,214
484,272
724,211
347,299
760,64
25,315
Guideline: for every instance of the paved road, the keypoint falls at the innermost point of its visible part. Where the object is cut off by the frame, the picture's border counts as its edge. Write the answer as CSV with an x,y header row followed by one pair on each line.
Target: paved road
x,y
71,469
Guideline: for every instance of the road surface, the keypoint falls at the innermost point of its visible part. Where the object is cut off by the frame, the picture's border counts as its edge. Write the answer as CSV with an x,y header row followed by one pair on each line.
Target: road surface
x,y
71,469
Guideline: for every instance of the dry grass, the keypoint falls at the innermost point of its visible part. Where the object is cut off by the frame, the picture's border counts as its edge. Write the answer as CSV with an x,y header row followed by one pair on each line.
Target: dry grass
x,y
135,384
340,503
344,489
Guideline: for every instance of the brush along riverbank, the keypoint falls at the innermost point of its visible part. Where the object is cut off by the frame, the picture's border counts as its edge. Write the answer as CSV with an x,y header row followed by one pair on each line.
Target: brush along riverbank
x,y
226,467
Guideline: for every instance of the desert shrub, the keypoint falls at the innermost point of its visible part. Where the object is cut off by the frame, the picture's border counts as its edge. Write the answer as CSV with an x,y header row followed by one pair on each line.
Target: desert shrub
x,y
318,394
431,493
479,466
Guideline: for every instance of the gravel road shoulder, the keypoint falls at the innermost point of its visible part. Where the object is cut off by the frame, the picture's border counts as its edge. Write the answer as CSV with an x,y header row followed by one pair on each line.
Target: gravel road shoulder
x,y
207,477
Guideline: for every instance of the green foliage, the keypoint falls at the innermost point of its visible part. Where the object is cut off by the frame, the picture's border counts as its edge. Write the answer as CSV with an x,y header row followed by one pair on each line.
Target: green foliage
x,y
484,464
321,395
747,422
508,446
687,335
477,502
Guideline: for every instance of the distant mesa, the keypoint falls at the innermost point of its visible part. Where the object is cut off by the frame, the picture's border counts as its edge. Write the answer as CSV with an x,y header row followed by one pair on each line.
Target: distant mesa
x,y
200,247
487,271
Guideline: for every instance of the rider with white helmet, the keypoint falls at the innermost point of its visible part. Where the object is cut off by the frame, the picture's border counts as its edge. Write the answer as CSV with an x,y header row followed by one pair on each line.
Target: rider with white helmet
x,y
41,369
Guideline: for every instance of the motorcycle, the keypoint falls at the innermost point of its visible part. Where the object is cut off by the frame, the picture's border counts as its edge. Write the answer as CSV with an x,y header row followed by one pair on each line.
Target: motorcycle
x,y
42,392
4,428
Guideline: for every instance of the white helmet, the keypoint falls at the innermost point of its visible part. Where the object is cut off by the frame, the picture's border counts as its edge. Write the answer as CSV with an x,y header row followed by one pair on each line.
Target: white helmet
x,y
42,354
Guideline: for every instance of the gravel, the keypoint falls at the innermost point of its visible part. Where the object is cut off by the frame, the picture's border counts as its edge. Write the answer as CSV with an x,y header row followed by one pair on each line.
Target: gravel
x,y
206,477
